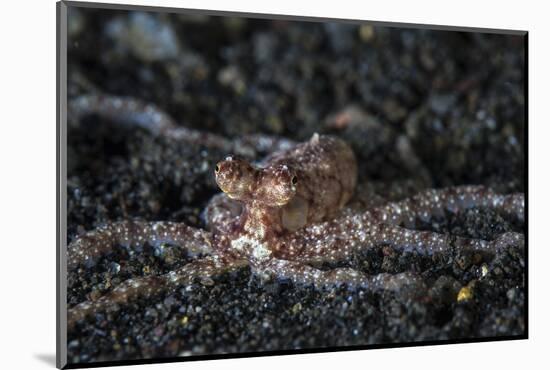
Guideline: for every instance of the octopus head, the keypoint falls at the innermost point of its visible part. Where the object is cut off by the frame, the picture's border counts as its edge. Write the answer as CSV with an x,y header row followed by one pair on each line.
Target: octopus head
x,y
277,186
236,177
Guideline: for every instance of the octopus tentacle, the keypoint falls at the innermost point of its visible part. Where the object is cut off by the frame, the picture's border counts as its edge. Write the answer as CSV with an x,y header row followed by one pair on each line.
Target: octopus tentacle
x,y
88,247
133,112
302,274
435,202
336,241
123,110
221,212
331,241
204,270
429,243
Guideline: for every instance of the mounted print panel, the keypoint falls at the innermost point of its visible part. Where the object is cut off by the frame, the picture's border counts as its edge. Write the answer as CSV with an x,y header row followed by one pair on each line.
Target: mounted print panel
x,y
249,184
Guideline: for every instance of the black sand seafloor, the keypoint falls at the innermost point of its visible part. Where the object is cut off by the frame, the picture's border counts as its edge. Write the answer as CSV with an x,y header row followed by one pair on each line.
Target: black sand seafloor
x,y
420,108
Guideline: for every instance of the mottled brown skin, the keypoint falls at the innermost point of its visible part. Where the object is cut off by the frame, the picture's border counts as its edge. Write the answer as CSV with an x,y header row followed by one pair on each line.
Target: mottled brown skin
x,y
307,184
327,175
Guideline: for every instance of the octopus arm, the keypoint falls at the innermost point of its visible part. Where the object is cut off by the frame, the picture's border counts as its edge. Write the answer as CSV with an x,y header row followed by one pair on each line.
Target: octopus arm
x,y
87,248
338,240
221,212
301,274
429,243
203,270
434,203
134,113
126,111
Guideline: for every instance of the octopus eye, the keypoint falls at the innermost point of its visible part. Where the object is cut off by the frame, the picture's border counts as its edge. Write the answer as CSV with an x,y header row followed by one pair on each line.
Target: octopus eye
x,y
294,180
217,169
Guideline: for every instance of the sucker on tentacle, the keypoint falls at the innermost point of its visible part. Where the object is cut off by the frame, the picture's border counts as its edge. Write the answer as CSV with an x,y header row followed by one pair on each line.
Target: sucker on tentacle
x,y
284,216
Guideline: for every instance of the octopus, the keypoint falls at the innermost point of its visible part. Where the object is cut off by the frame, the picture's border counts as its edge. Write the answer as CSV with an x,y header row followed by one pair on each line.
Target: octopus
x,y
286,217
